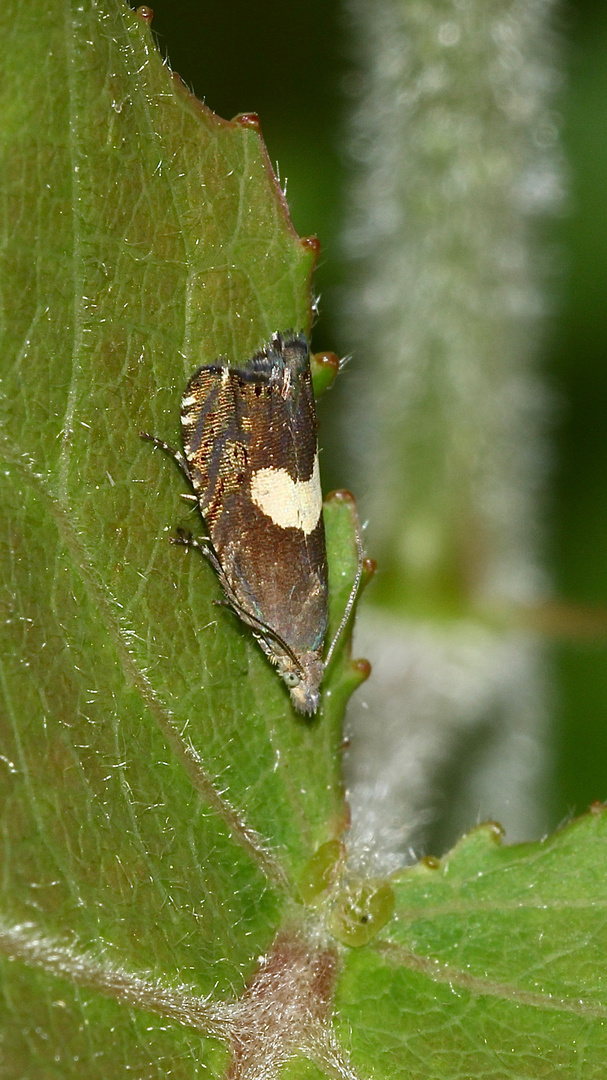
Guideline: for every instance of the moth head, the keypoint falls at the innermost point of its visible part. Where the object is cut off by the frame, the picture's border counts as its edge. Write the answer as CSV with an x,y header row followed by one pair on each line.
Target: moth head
x,y
303,680
301,672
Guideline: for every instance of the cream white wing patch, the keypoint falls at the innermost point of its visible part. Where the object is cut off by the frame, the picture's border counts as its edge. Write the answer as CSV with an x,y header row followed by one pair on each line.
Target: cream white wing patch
x,y
290,504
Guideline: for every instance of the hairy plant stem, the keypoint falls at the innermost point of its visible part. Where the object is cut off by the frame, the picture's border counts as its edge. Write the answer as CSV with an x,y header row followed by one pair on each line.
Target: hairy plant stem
x,y
456,151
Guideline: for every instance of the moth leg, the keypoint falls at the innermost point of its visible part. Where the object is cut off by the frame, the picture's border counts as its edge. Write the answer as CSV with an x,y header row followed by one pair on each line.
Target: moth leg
x,y
202,543
175,454
261,631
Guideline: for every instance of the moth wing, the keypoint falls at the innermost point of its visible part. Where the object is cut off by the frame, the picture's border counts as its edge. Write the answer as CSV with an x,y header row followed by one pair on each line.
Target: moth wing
x,y
253,429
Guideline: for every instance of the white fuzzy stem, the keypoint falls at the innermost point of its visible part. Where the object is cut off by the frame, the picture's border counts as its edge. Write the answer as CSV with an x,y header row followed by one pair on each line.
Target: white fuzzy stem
x,y
456,148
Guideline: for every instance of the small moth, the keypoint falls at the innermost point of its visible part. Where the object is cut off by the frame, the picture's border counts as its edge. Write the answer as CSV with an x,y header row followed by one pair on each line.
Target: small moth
x,y
251,455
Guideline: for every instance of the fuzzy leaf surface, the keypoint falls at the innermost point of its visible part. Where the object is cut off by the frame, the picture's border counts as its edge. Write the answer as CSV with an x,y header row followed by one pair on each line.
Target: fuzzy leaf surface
x,y
158,796
493,966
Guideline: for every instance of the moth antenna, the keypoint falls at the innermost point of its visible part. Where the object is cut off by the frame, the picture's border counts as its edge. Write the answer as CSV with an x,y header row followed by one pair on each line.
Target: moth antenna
x,y
351,598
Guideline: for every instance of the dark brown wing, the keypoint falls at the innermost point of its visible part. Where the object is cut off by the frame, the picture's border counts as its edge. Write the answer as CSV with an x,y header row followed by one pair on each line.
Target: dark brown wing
x,y
250,441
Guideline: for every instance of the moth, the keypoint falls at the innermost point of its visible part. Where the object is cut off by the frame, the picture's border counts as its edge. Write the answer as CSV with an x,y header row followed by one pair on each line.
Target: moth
x,y
250,453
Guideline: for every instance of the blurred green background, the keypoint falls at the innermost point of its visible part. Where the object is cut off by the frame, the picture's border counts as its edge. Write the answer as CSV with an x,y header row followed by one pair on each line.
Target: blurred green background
x,y
290,63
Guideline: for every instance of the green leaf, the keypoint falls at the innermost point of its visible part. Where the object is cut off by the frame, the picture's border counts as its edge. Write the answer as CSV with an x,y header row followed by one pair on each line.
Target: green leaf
x,y
174,892
493,965
159,798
